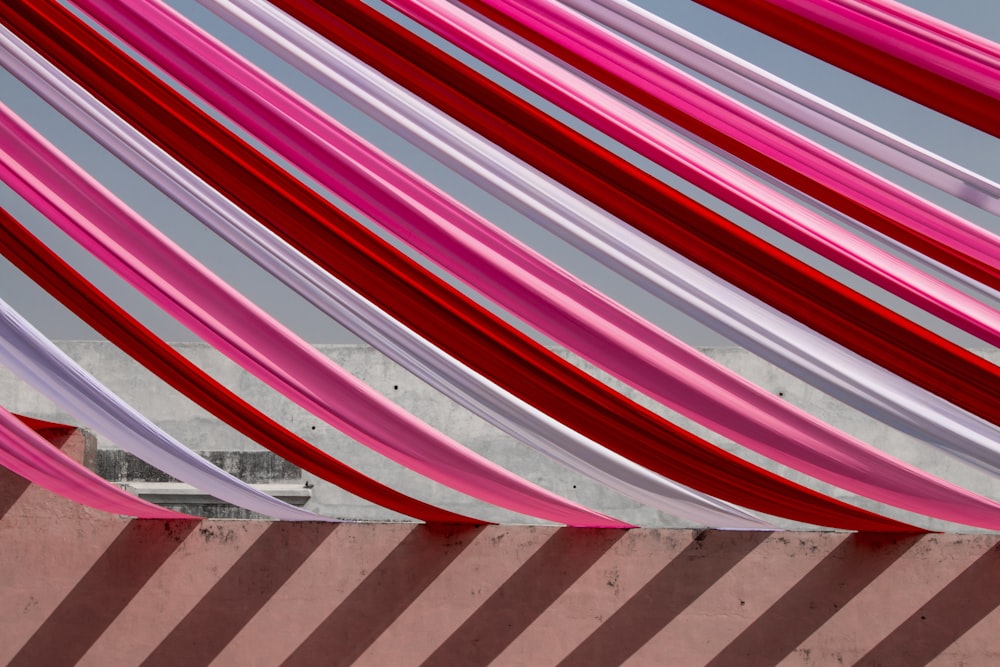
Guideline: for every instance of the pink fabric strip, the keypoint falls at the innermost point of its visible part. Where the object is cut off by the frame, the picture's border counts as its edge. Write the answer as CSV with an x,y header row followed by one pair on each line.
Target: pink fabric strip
x,y
26,453
672,42
520,279
929,27
655,142
706,105
977,73
201,301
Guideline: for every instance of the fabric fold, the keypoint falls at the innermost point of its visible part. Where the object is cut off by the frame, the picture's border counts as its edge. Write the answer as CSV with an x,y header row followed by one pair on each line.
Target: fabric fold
x,y
702,295
930,28
26,453
459,383
402,288
976,69
232,324
930,89
520,280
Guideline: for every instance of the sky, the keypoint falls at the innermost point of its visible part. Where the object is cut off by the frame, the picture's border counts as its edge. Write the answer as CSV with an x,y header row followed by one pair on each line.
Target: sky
x,y
949,138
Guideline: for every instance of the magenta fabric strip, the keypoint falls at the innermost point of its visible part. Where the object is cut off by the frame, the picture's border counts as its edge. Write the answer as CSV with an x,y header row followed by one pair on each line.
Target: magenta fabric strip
x,y
704,104
234,325
655,142
521,280
977,73
711,60
929,27
26,453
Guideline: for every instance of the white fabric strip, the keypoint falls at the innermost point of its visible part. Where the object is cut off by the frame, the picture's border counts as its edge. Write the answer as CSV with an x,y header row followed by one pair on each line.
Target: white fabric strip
x,y
335,299
699,293
674,42
37,361
968,284
973,188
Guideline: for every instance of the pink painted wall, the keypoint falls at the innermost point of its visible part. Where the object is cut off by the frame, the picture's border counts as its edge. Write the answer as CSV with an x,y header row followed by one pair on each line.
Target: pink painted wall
x,y
80,586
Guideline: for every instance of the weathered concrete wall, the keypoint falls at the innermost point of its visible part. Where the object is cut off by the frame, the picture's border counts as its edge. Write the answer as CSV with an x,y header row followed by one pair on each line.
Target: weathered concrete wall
x,y
202,432
82,587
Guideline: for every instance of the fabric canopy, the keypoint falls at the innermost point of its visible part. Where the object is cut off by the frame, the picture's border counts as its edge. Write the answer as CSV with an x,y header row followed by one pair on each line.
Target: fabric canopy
x,y
520,280
110,320
332,297
745,260
174,280
484,107
665,243
820,173
413,296
931,89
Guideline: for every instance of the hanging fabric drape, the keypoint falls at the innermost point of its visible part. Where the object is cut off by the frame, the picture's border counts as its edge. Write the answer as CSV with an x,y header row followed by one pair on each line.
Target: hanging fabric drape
x,y
684,285
938,32
607,239
672,41
60,280
518,279
37,361
978,68
258,343
335,299
754,138
930,89
26,453
744,260
719,179
397,285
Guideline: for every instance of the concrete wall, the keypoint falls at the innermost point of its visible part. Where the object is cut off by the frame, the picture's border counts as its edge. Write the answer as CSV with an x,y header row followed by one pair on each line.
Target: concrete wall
x,y
82,587
202,432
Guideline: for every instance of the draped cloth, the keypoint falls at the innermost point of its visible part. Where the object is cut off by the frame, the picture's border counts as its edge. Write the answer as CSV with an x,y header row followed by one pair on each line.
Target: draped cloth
x,y
754,138
931,89
518,279
60,280
814,299
933,30
909,36
335,299
708,59
37,361
402,288
201,301
732,186
673,278
25,452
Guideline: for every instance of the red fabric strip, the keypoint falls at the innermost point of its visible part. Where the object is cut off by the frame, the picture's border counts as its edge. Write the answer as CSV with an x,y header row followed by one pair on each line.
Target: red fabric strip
x,y
71,289
927,88
402,288
983,271
37,425
649,205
